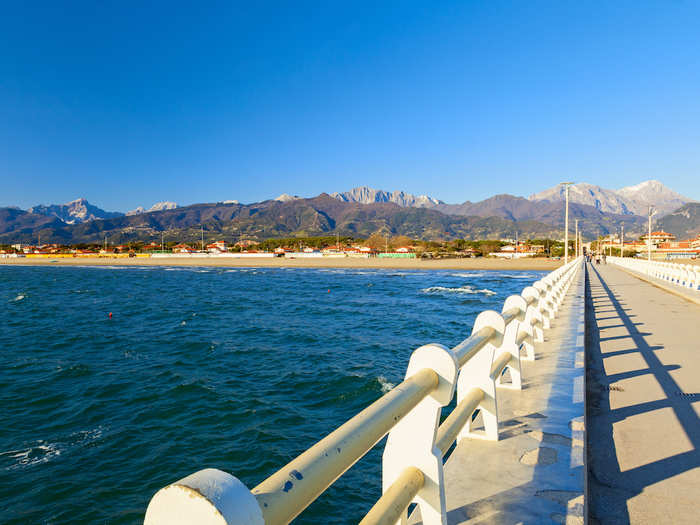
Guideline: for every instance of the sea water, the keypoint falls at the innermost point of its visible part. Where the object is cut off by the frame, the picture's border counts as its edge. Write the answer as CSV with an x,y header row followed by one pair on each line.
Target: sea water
x,y
238,369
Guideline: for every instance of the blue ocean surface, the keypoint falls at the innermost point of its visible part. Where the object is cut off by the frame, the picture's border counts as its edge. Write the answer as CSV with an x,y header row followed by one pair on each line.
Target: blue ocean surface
x,y
238,369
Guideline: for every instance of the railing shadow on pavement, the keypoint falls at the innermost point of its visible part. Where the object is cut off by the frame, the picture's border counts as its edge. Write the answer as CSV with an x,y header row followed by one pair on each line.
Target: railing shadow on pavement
x,y
611,500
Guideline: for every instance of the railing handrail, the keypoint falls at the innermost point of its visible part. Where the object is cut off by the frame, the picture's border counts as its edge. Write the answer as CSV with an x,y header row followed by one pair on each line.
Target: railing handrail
x,y
282,497
685,275
477,365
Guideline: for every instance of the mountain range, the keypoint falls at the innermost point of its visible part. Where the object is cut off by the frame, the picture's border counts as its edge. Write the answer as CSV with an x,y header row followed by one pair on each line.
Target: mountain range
x,y
362,211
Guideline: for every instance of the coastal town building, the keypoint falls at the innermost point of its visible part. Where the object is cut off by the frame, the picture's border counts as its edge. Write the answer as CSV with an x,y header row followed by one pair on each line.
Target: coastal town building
x,y
516,251
658,237
217,247
183,248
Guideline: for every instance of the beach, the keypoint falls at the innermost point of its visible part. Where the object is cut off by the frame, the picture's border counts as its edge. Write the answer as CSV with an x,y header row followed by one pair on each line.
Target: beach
x,y
479,263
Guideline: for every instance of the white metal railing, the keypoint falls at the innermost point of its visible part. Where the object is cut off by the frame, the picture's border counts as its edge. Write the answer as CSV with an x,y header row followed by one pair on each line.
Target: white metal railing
x,y
685,275
413,459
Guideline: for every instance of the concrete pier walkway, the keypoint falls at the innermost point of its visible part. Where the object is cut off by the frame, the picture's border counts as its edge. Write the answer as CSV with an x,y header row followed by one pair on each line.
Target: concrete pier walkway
x,y
643,397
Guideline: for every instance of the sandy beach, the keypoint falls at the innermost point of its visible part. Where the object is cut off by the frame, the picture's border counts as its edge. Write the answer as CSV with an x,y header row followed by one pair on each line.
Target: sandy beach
x,y
479,263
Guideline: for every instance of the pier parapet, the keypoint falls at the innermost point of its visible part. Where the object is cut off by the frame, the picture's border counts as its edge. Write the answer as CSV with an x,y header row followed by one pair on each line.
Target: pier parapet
x,y
413,459
685,275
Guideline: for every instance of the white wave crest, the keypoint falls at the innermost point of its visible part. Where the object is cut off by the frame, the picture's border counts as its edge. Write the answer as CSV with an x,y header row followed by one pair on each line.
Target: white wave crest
x,y
468,290
18,298
385,384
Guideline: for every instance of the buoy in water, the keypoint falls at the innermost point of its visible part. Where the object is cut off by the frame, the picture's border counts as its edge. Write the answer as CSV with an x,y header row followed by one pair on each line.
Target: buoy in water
x,y
110,315
329,290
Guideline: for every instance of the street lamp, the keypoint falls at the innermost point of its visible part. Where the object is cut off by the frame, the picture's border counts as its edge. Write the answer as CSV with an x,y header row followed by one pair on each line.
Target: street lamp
x,y
622,240
566,222
652,212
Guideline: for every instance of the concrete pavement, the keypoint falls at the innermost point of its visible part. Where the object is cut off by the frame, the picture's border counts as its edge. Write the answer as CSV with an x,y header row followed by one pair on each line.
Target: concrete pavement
x,y
643,395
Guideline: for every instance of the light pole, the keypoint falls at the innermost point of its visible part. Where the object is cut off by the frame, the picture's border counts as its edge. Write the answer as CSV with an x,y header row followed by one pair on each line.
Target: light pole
x,y
652,212
622,240
576,241
566,222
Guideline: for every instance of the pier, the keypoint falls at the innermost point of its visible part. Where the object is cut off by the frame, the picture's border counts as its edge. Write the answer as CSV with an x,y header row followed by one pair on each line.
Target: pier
x,y
575,403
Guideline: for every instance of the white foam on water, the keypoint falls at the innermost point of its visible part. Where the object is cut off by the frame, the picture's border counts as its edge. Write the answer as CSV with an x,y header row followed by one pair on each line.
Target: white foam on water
x,y
42,452
467,290
469,275
385,384
18,298
516,276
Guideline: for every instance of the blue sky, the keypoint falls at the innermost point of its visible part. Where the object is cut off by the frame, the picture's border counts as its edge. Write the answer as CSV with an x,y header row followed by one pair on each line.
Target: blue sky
x,y
129,103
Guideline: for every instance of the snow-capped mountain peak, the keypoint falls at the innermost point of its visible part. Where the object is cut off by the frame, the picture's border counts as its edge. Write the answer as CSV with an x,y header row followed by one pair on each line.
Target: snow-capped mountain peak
x,y
76,211
630,200
286,197
367,195
158,206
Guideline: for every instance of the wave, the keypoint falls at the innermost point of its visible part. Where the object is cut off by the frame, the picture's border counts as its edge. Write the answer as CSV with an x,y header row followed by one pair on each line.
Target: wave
x,y
18,298
458,290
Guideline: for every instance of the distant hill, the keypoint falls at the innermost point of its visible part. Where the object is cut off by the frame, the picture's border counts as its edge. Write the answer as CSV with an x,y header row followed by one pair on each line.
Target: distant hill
x,y
592,221
16,223
684,223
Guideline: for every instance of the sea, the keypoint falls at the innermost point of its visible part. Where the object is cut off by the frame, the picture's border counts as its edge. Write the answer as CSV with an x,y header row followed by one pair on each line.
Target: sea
x,y
240,369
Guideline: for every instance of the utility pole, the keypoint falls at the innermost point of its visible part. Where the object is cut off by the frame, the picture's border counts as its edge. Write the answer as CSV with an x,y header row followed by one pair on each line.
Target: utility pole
x,y
576,241
652,212
202,227
161,241
566,222
622,240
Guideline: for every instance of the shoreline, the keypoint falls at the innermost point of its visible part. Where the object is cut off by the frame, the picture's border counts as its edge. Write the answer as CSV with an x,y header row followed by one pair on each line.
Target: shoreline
x,y
523,264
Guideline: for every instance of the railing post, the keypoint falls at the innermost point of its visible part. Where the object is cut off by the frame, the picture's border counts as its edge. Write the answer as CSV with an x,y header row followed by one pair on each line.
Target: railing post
x,y
411,443
543,304
207,497
533,317
509,345
476,373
